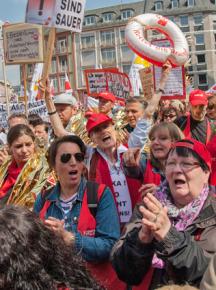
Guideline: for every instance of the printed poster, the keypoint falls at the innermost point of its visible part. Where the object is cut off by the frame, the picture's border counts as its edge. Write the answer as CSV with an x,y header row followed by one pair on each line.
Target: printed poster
x,y
64,14
100,80
175,87
23,43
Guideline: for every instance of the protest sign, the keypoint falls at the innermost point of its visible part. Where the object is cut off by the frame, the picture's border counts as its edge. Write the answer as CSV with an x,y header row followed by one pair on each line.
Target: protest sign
x,y
37,107
23,43
65,14
175,87
96,81
100,80
147,81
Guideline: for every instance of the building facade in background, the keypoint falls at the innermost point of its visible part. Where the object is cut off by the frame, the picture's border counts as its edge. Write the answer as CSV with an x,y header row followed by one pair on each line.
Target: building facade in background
x,y
102,42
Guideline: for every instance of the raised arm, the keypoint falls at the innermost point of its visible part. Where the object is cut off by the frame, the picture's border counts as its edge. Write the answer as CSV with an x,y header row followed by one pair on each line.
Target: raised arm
x,y
57,126
139,136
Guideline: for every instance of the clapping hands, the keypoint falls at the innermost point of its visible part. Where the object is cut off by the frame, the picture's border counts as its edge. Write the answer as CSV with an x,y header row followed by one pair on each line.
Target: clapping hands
x,y
155,221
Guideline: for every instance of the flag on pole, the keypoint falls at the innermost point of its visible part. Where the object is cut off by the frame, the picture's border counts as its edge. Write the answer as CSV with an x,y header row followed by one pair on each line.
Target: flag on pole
x,y
35,82
68,88
138,64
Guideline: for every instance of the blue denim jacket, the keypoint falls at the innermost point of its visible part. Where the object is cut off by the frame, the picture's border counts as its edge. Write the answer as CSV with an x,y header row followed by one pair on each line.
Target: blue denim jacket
x,y
107,232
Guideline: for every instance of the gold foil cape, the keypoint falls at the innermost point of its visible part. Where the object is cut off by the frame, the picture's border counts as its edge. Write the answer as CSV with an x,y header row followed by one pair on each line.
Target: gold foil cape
x,y
33,177
78,122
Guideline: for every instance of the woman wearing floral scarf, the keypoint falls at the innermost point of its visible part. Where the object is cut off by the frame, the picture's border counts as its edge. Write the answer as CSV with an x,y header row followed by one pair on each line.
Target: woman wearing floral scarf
x,y
171,236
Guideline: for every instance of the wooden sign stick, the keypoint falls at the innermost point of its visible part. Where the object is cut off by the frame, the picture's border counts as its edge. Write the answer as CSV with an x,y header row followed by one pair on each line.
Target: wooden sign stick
x,y
48,57
25,89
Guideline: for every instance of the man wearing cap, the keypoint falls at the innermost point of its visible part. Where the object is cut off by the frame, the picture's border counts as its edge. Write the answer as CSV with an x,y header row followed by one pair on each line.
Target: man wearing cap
x,y
196,124
104,164
106,103
65,105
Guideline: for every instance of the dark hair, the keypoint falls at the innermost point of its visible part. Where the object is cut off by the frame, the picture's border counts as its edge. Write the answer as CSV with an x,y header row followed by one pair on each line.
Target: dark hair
x,y
187,152
34,118
38,122
34,257
18,131
167,111
139,100
175,135
55,145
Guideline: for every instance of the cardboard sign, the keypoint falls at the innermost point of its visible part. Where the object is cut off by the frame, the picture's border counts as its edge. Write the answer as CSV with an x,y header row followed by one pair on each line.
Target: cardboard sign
x,y
96,82
23,43
147,81
175,87
100,80
37,107
65,14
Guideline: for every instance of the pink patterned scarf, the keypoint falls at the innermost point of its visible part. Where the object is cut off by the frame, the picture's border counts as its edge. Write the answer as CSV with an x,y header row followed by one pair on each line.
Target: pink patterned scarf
x,y
180,218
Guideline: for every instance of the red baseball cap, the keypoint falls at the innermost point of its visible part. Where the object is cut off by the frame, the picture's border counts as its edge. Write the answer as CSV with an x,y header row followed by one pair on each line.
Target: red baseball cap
x,y
197,147
96,119
107,96
198,97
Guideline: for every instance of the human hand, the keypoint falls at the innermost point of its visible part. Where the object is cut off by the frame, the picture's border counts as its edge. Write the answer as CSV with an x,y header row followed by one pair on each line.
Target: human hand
x,y
3,155
132,157
45,89
155,217
57,226
124,136
149,187
166,69
145,235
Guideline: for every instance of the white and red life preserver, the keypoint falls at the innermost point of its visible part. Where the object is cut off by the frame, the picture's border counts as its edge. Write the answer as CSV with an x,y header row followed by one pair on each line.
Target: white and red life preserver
x,y
178,54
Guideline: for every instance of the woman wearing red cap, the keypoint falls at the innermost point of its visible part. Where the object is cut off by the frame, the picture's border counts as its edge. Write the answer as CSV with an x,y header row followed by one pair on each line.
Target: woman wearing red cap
x,y
171,236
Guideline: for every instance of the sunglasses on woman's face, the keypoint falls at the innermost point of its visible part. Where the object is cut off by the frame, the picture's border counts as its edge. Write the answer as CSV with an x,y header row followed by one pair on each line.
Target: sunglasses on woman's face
x,y
169,116
66,157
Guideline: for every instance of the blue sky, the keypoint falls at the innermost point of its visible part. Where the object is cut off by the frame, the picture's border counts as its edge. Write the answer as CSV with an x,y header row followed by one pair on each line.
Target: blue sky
x,y
14,11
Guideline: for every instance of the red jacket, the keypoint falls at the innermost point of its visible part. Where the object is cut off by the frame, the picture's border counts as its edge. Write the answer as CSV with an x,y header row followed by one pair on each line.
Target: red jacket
x,y
187,130
99,172
150,176
211,146
102,272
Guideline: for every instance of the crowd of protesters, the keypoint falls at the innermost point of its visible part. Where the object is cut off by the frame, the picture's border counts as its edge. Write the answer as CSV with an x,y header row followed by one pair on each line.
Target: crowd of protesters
x,y
138,213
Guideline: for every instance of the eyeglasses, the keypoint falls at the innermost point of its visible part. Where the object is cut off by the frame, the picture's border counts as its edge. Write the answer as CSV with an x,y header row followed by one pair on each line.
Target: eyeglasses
x,y
169,116
66,157
185,166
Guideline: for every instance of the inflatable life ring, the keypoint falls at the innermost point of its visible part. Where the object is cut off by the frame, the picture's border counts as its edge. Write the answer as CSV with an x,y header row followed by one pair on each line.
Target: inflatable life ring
x,y
178,54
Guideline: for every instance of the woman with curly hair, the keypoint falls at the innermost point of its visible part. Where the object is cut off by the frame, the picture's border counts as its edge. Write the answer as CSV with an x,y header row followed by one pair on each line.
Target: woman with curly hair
x,y
34,257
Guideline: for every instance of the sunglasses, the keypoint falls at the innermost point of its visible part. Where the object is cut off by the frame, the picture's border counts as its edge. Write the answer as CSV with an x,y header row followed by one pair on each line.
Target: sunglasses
x,y
170,116
66,157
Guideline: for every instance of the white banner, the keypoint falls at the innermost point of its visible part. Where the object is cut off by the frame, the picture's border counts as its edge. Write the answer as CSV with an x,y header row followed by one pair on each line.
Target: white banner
x,y
37,107
65,14
35,81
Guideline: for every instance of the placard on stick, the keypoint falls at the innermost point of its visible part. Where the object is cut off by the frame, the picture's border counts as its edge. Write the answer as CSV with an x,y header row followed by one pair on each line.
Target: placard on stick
x,y
175,87
65,14
23,43
147,81
100,80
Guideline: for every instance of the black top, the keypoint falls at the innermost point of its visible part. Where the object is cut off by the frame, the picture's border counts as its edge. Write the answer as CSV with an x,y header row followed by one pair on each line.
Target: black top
x,y
198,128
129,128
